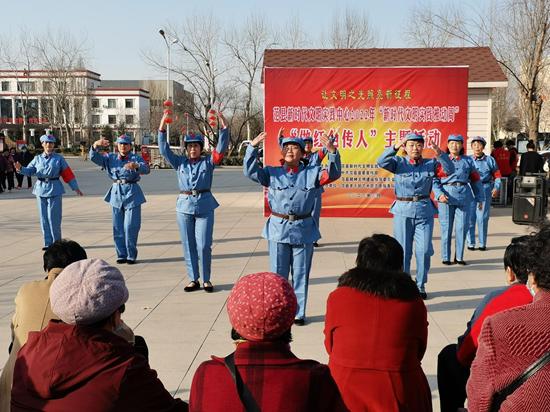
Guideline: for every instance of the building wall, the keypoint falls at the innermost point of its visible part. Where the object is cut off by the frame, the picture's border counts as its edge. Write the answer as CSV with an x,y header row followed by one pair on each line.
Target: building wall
x,y
479,113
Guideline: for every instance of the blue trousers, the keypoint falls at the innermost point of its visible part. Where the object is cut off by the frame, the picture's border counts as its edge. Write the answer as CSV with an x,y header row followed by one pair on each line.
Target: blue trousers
x,y
481,218
196,237
449,216
409,230
50,210
285,258
126,225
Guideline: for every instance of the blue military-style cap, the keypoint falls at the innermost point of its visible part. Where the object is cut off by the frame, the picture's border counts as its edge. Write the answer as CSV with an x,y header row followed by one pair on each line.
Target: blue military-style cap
x,y
193,138
478,139
292,140
415,137
455,138
47,138
124,139
308,139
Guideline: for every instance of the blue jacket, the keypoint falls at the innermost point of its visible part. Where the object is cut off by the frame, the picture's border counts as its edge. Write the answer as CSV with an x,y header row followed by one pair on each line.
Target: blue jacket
x,y
315,159
291,192
414,179
488,171
48,167
126,195
467,176
195,175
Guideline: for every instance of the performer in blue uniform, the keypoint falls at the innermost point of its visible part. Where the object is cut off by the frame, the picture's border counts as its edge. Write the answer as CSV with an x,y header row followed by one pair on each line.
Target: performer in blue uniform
x,y
48,168
454,195
490,176
292,191
195,205
125,195
413,210
314,158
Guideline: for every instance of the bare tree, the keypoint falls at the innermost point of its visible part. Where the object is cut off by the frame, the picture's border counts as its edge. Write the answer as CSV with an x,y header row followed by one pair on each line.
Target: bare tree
x,y
292,36
246,45
518,31
351,30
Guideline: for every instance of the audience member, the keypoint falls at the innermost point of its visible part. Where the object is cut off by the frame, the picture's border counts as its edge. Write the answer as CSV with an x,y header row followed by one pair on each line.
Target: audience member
x,y
376,332
263,374
78,360
513,340
454,361
24,157
531,161
10,169
3,168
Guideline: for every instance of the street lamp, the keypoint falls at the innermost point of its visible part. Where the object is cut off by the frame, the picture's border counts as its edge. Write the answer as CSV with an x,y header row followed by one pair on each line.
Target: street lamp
x,y
169,42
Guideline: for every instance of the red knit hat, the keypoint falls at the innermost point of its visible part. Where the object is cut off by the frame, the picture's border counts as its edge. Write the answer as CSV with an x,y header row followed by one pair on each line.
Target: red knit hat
x,y
261,306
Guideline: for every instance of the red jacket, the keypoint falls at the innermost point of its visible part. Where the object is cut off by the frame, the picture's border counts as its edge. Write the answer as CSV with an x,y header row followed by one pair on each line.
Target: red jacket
x,y
510,341
77,368
494,302
277,379
376,331
503,159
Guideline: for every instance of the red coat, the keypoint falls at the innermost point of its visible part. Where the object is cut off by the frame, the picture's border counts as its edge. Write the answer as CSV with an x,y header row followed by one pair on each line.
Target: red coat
x,y
375,343
502,157
76,368
510,341
277,379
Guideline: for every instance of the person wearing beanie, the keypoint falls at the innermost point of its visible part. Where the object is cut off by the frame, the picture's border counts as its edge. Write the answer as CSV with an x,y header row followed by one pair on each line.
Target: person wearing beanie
x,y
454,195
490,176
291,193
125,195
413,210
314,158
48,168
195,205
263,374
79,360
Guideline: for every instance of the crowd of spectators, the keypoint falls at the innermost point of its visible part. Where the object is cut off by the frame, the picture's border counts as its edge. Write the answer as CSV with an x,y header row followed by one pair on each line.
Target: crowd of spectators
x,y
70,347
9,179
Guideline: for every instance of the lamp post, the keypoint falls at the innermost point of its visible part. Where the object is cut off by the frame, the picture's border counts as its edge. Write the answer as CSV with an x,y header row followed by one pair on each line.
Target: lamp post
x,y
169,42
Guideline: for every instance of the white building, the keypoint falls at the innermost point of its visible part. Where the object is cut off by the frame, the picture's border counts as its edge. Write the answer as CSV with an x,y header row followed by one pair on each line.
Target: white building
x,y
72,104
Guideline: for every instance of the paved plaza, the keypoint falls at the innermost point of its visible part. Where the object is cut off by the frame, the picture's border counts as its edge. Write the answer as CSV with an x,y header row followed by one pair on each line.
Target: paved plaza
x,y
184,329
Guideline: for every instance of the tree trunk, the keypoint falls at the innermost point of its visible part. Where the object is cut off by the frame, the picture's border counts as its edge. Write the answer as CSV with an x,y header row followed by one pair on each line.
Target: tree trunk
x,y
533,119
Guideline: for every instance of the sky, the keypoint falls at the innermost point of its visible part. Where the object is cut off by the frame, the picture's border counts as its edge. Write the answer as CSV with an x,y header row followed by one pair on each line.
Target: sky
x,y
119,31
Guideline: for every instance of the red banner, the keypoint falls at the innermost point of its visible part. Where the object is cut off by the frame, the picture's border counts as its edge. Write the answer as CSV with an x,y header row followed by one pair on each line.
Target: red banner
x,y
371,108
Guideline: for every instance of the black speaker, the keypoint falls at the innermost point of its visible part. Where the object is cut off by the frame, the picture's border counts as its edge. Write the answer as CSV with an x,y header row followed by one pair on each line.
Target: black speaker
x,y
527,210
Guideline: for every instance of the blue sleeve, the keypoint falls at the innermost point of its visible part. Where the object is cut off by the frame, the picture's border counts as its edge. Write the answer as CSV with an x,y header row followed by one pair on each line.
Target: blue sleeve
x,y
143,166
477,187
446,163
166,152
494,169
223,141
334,167
252,169
98,158
388,160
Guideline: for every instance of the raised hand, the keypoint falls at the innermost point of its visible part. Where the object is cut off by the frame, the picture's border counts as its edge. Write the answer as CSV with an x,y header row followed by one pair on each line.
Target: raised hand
x,y
258,139
434,145
101,142
163,123
223,121
327,142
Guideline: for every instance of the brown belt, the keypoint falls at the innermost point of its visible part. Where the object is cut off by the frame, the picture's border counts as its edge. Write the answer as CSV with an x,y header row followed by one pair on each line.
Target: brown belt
x,y
194,192
455,184
413,198
290,218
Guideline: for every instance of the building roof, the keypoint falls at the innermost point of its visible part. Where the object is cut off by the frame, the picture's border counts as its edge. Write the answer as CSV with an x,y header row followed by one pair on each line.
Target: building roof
x,y
483,67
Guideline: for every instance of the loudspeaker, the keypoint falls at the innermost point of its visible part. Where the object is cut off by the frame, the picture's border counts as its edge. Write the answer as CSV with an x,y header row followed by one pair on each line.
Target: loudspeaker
x,y
527,210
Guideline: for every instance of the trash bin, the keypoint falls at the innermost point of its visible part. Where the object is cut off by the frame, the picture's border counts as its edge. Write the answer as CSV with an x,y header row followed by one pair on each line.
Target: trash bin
x,y
530,201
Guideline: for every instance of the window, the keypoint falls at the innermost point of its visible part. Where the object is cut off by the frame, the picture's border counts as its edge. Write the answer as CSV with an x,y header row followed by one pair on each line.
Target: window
x,y
46,86
5,86
129,103
112,119
26,87
111,103
96,119
95,103
129,119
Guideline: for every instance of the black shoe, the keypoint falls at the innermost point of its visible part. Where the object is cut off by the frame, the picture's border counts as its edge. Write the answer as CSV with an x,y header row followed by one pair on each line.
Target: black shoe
x,y
119,261
45,248
130,261
482,248
192,286
299,321
460,262
315,244
423,295
208,288
447,262
473,248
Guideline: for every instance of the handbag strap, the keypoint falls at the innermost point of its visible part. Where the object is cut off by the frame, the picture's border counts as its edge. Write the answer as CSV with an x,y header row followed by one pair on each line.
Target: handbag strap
x,y
501,395
245,396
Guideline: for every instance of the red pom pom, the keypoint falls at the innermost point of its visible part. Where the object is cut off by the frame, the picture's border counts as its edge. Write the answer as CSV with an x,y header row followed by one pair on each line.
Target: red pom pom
x,y
168,103
168,120
168,112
